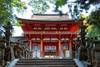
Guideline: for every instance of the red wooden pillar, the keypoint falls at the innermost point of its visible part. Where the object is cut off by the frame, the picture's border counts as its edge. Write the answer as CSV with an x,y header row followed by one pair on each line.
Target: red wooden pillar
x,y
59,46
41,47
30,44
70,45
42,52
30,41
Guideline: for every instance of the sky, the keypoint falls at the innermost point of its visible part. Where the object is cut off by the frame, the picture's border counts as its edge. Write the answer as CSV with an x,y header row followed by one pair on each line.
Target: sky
x,y
28,13
17,31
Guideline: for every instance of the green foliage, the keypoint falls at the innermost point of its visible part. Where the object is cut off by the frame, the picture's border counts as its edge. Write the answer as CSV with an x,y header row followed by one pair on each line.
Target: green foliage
x,y
6,10
85,4
78,6
7,17
92,21
94,18
94,1
94,32
60,3
39,6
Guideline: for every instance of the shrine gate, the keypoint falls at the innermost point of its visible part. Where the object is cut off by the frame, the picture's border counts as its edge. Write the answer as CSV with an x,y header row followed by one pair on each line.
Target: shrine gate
x,y
50,36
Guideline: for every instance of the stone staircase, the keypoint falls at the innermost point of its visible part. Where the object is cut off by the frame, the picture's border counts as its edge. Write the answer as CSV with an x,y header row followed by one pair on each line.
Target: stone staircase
x,y
45,63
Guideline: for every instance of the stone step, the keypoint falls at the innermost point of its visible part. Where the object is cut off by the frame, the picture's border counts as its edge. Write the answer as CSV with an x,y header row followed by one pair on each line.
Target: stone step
x,y
45,66
45,63
44,60
47,59
65,62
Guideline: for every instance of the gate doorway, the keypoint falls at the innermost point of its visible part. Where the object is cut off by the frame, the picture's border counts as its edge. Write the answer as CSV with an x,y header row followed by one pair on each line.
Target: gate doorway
x,y
36,51
65,51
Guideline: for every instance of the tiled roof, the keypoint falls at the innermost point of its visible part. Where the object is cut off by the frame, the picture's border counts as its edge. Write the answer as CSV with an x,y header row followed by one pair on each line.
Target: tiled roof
x,y
51,17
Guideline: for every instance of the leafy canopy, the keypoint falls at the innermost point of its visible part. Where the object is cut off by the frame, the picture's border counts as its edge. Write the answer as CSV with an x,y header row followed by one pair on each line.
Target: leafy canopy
x,y
94,17
76,7
6,10
40,6
92,22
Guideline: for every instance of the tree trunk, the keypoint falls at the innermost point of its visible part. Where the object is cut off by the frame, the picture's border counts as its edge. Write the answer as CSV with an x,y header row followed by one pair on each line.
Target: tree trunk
x,y
7,54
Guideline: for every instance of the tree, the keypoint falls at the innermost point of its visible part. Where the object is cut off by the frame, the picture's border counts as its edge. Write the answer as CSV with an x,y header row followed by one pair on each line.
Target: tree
x,y
76,7
7,18
91,22
40,6
94,20
6,14
1,31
